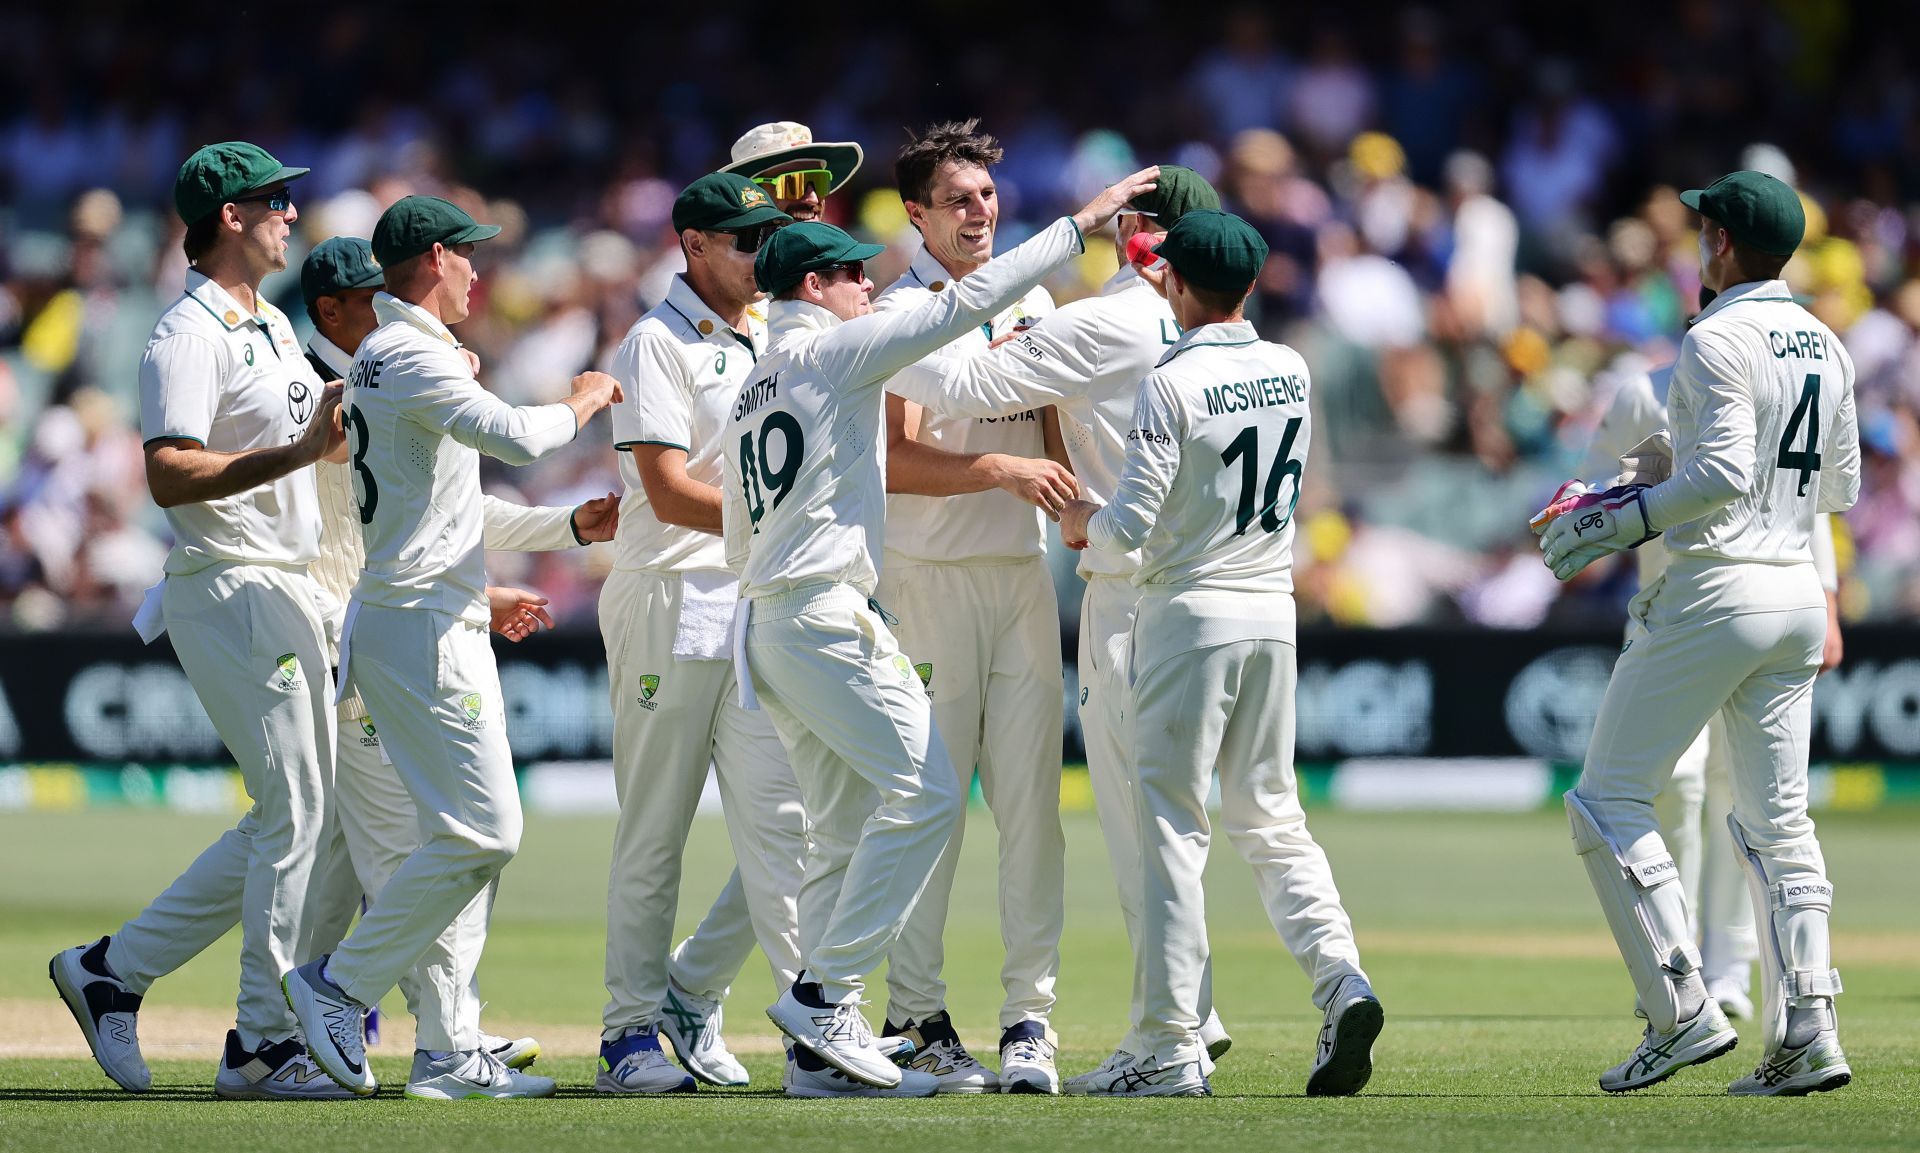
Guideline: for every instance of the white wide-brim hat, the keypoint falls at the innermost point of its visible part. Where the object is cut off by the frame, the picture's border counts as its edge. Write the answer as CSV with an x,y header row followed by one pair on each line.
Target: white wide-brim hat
x,y
785,141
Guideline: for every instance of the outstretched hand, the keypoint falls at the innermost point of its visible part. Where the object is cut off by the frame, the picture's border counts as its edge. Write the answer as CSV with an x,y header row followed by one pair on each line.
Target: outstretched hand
x,y
516,614
1108,204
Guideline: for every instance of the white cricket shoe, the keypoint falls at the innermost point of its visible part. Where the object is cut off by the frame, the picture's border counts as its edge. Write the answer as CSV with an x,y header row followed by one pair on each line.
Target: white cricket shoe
x,y
693,1024
280,1071
332,1024
1343,1054
1124,1075
1816,1067
1214,1036
1730,993
837,1034
937,1050
635,1063
105,1009
809,1076
1026,1059
513,1052
1701,1038
471,1075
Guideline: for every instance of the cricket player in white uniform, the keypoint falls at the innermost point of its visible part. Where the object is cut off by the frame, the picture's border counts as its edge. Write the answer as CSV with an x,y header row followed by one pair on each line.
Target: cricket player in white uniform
x,y
1087,360
1216,454
415,640
378,824
1764,438
804,520
796,171
232,415
1710,873
666,614
966,574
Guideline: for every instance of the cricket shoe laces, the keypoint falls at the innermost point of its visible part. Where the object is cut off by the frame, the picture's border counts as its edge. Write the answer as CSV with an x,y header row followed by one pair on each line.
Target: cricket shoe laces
x,y
1147,1077
1027,1052
1816,1067
1660,1055
1081,1085
939,1051
693,1023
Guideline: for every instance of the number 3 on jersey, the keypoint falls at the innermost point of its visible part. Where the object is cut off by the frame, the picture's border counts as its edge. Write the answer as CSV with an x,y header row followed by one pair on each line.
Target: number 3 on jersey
x,y
757,474
1808,410
368,495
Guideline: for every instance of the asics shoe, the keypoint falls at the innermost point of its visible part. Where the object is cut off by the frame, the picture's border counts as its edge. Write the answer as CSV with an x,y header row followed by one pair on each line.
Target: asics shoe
x,y
1816,1067
1124,1075
693,1024
1343,1055
1660,1055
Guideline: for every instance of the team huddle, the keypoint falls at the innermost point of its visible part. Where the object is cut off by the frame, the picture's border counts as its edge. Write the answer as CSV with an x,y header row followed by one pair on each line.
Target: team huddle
x,y
829,589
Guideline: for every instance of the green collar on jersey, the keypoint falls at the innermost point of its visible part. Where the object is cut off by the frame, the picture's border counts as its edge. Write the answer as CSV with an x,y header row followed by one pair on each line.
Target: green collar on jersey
x,y
1232,334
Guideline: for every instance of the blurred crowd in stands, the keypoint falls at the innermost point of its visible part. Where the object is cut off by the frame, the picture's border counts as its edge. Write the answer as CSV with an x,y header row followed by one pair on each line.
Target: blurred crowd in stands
x,y
1470,206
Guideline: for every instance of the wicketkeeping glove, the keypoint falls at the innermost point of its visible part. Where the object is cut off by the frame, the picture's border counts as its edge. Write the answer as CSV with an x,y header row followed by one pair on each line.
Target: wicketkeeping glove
x,y
1583,527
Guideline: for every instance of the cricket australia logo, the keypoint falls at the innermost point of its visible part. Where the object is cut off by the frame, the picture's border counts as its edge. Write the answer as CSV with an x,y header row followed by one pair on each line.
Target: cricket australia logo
x,y
924,670
286,672
369,737
904,668
470,707
649,685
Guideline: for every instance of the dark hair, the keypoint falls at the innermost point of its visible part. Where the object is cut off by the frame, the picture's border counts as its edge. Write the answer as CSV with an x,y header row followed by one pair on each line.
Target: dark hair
x,y
313,313
1217,302
200,237
1757,265
922,156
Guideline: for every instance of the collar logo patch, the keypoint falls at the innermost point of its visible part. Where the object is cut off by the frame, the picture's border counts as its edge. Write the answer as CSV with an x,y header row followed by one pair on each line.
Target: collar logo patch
x,y
470,705
231,317
705,326
287,669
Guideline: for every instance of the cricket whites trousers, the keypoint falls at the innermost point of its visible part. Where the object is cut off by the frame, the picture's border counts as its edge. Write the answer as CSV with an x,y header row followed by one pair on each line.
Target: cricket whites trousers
x,y
672,720
441,720
1229,704
881,796
984,640
252,642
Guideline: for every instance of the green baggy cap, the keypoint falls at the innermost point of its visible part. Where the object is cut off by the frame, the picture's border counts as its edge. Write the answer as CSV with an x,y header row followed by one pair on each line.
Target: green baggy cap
x,y
1215,250
416,223
724,200
1761,211
1176,192
336,265
808,246
220,173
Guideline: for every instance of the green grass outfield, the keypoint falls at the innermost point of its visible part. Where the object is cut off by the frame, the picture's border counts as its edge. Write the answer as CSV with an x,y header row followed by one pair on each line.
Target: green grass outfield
x,y
1503,997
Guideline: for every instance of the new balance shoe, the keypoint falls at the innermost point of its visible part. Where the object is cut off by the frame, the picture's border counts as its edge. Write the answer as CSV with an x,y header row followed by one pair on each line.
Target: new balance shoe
x,y
1816,1067
470,1075
1124,1075
277,1071
693,1024
635,1063
1026,1059
808,1076
105,1009
937,1050
1214,1036
515,1053
836,1033
1660,1055
1343,1054
1730,993
332,1024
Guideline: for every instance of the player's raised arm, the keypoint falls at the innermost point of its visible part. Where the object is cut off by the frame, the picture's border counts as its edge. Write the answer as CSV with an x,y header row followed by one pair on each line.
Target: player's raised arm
x,y
1046,363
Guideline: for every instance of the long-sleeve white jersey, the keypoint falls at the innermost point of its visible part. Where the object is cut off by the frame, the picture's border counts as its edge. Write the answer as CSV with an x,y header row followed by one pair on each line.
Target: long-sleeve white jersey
x,y
681,367
417,422
805,483
978,525
232,380
1636,409
1764,432
1087,360
1215,459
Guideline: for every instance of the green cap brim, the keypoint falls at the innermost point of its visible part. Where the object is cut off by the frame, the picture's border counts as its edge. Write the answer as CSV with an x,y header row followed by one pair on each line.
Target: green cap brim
x,y
843,160
759,214
1691,198
284,174
862,252
473,235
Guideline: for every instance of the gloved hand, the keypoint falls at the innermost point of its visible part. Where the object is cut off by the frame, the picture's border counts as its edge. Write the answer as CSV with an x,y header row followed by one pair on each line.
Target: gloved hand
x,y
1584,527
1563,498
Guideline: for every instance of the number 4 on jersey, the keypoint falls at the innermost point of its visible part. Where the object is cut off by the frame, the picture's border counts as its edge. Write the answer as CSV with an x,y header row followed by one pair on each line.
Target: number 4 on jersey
x,y
1807,461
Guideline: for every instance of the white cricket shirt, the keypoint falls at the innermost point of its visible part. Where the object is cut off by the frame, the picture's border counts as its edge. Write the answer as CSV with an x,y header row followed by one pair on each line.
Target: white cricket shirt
x,y
681,367
417,422
1087,360
989,525
805,447
232,380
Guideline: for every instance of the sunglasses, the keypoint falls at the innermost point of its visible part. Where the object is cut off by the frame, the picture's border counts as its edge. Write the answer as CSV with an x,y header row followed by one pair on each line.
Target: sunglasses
x,y
747,241
856,270
794,185
275,201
